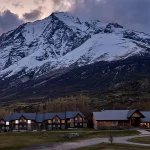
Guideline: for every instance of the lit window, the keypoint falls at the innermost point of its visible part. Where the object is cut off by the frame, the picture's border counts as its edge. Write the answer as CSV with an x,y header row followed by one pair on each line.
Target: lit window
x,y
53,120
7,123
76,119
29,121
16,121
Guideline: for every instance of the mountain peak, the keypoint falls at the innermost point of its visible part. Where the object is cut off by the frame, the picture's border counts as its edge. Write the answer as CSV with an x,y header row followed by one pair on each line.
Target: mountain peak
x,y
62,40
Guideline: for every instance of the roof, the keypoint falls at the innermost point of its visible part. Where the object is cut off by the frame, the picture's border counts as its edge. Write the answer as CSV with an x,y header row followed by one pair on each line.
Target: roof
x,y
29,116
73,114
8,117
42,117
114,114
111,115
48,116
39,118
131,112
16,116
147,116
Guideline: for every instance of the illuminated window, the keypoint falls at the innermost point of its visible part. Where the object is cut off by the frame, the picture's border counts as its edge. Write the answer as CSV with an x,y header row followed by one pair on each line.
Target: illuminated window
x,y
7,123
29,121
16,121
76,118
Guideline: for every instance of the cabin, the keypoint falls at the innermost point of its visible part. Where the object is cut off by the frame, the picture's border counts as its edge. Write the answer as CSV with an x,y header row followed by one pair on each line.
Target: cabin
x,y
55,121
42,122
145,122
76,119
114,119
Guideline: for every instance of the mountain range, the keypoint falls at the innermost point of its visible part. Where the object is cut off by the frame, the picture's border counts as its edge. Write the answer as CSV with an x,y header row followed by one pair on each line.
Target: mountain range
x,y
63,54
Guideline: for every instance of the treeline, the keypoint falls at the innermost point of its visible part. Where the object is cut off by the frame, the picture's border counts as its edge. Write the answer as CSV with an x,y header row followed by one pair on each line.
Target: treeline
x,y
71,103
4,112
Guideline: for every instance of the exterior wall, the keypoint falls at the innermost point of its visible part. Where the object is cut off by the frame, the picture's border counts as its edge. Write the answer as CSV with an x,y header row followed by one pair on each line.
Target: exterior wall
x,y
103,124
23,124
124,123
77,122
94,123
2,125
136,114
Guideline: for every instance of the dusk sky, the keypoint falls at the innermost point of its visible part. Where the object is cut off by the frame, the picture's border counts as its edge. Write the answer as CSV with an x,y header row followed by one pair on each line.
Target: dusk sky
x,y
132,14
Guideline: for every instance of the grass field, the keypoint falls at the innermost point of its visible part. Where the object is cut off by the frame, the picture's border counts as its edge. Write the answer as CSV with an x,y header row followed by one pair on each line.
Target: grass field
x,y
18,140
114,147
144,140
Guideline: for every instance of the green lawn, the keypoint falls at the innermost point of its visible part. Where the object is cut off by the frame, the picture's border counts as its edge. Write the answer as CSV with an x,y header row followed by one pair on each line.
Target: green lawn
x,y
114,147
18,140
144,140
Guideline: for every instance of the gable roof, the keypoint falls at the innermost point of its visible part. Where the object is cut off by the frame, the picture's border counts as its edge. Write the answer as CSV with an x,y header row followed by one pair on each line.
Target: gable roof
x,y
73,114
114,114
8,117
29,116
42,117
147,116
111,115
50,116
39,118
16,116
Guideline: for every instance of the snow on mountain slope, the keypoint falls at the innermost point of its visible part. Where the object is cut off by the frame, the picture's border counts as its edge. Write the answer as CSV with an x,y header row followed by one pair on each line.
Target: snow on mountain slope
x,y
61,40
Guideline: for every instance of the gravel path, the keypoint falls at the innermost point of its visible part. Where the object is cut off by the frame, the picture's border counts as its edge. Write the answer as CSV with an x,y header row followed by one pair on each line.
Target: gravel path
x,y
90,142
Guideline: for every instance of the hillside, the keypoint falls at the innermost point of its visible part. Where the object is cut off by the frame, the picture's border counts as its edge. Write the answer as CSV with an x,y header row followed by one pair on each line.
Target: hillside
x,y
63,55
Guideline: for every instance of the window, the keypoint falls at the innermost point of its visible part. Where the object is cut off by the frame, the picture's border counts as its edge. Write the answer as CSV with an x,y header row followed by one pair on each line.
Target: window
x,y
16,121
21,121
7,123
16,127
29,127
80,124
49,127
53,120
53,125
76,118
58,126
115,123
71,120
81,119
49,121
76,124
84,125
29,121
71,125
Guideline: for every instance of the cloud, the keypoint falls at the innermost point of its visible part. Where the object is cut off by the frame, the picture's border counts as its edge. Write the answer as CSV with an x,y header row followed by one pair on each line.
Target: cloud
x,y
33,14
132,14
17,4
39,1
9,21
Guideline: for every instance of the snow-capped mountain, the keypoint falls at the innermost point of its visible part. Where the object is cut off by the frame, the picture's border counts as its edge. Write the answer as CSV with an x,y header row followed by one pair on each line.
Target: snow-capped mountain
x,y
62,42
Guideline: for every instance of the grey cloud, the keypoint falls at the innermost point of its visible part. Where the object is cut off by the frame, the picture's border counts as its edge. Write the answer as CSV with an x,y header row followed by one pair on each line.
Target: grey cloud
x,y
9,21
17,4
33,14
39,1
133,14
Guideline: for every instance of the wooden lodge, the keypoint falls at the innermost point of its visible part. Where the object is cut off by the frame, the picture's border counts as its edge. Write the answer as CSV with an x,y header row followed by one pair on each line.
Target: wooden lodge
x,y
120,119
46,121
